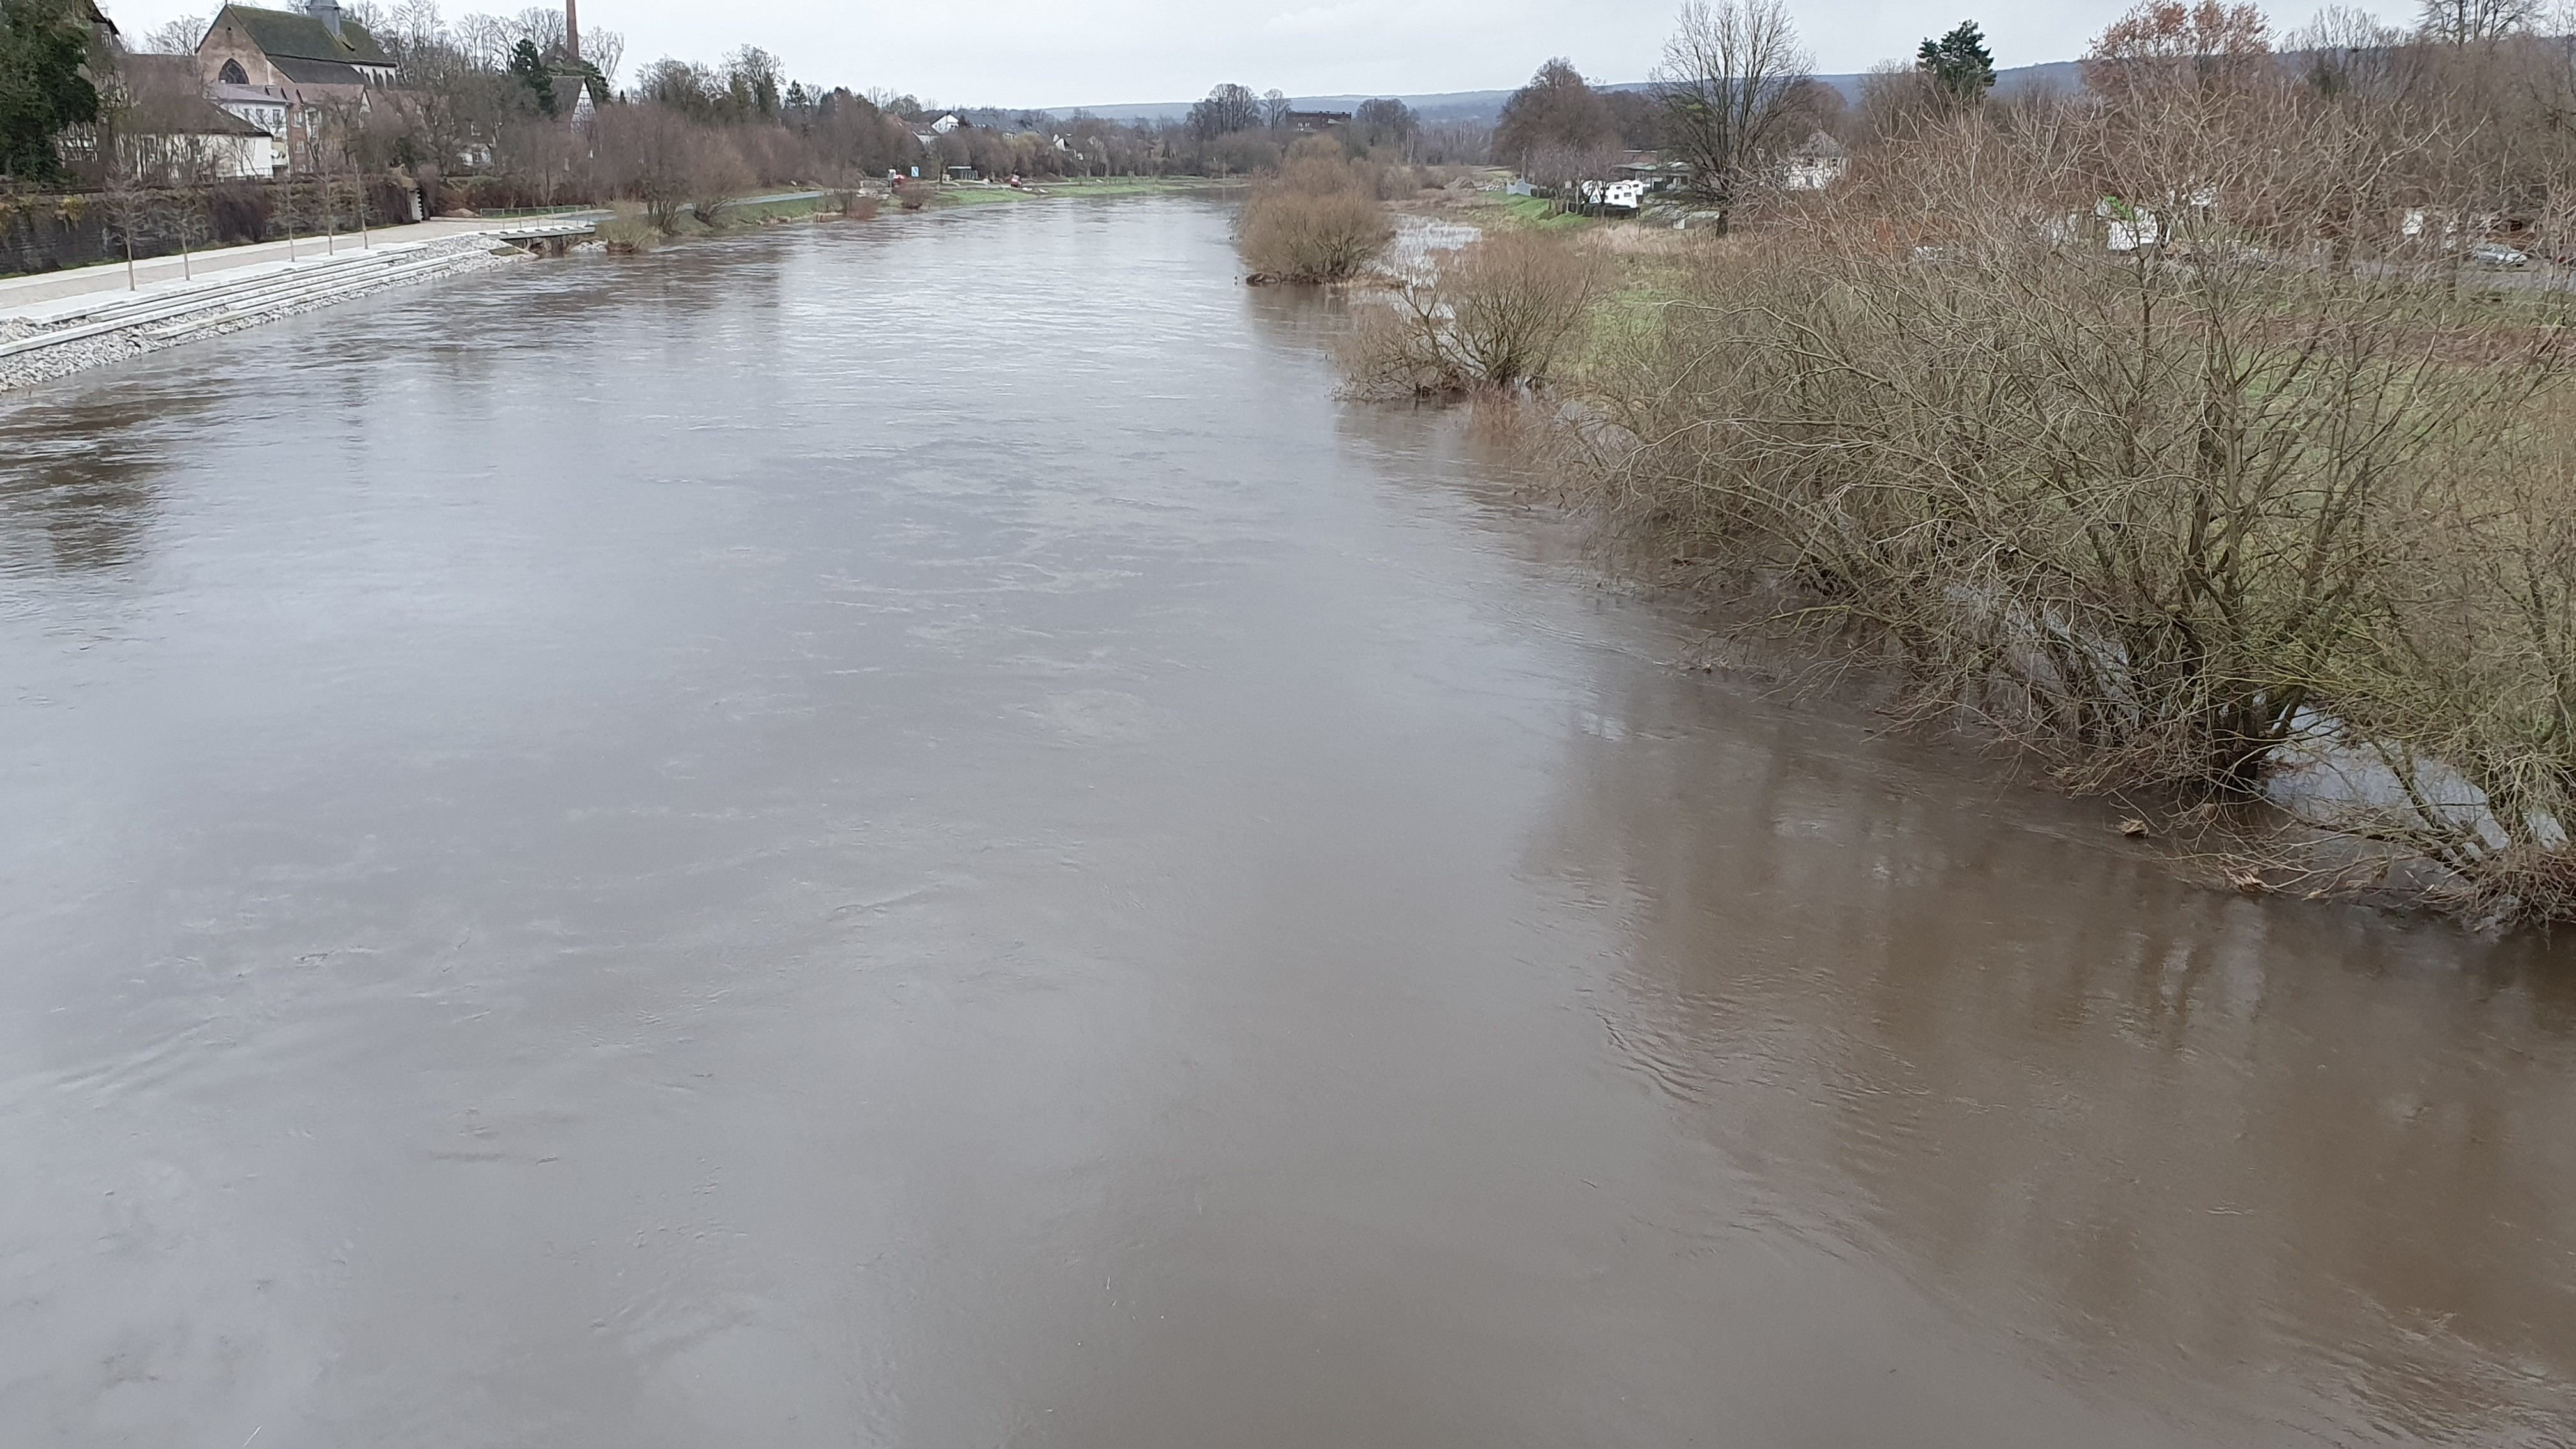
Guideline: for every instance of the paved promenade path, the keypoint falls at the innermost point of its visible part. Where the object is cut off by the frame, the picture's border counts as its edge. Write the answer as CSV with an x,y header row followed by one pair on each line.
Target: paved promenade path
x,y
28,296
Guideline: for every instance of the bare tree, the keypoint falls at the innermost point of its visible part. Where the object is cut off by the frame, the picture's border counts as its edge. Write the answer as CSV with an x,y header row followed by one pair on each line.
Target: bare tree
x,y
2345,49
1385,121
183,215
177,35
1563,169
1228,108
753,79
1730,80
541,25
2467,22
648,152
1558,111
604,49
414,23
486,40
1275,106
128,211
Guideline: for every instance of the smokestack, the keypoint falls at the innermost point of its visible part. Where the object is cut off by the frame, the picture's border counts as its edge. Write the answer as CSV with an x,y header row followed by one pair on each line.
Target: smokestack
x,y
328,12
572,31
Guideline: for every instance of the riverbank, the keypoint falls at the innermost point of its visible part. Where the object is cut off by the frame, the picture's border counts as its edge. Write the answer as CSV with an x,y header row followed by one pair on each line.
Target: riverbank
x,y
44,340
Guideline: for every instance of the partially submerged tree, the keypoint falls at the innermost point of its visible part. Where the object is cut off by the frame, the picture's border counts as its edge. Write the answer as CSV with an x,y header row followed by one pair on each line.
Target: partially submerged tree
x,y
1498,313
1730,81
1316,219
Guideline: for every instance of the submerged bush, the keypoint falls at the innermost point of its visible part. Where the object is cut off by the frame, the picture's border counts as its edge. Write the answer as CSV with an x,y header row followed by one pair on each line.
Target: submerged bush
x,y
1317,219
630,231
1499,312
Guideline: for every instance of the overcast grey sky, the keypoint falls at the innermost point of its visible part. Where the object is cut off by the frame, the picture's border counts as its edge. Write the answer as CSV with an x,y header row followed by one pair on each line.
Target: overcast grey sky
x,y
1052,53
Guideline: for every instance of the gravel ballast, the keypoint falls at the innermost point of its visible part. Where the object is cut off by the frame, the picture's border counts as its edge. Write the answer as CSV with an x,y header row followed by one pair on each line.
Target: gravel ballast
x,y
219,313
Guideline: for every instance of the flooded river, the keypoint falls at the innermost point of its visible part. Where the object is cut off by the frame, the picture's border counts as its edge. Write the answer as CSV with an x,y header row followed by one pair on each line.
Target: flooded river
x,y
905,834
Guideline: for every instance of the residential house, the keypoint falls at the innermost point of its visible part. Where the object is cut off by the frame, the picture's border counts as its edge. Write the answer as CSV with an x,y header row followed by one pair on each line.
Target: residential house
x,y
1316,123
166,127
1815,163
190,139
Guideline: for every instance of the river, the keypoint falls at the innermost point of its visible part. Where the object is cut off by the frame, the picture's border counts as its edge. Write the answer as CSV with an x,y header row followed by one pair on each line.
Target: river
x,y
907,834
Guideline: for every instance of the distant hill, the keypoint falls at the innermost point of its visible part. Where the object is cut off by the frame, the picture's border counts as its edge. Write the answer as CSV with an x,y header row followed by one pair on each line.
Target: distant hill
x,y
1487,105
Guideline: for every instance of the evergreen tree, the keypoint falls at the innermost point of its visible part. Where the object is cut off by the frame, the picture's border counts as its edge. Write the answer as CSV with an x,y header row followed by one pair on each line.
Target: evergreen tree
x,y
1959,65
530,69
44,88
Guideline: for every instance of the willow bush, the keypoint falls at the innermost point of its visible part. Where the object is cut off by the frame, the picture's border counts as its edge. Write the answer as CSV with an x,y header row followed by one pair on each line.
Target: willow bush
x,y
1501,312
1316,219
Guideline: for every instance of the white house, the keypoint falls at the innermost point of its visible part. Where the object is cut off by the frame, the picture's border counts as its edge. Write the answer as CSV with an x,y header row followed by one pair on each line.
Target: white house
x,y
1816,163
1615,195
191,140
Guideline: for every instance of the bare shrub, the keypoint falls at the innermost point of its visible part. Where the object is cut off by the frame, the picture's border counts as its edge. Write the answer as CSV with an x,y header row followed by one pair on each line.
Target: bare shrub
x,y
2461,685
630,231
912,195
1497,313
1317,219
2148,433
718,176
647,153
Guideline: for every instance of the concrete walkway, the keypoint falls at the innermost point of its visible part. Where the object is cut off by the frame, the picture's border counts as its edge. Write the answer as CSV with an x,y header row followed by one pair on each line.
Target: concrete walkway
x,y
26,296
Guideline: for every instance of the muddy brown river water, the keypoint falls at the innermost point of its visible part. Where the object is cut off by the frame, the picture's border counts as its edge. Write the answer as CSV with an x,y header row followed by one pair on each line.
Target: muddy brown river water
x,y
905,834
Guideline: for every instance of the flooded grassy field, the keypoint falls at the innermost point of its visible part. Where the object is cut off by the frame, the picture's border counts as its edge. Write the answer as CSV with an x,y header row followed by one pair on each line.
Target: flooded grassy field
x,y
907,834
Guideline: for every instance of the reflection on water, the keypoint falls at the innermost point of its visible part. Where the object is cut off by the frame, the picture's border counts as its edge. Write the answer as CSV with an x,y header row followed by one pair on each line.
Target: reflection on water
x,y
906,833
2195,1143
78,483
